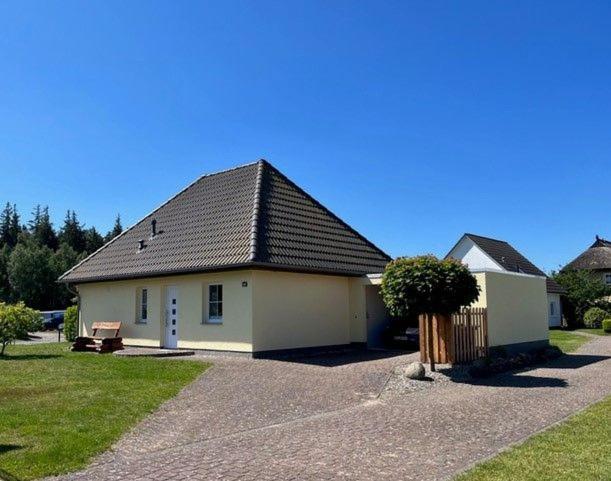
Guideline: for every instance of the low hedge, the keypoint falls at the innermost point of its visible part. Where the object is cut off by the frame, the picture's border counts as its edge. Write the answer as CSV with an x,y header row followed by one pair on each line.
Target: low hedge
x,y
71,323
607,325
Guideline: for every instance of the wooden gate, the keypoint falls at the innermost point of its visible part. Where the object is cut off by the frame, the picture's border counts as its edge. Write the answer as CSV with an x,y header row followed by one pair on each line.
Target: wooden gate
x,y
461,338
470,333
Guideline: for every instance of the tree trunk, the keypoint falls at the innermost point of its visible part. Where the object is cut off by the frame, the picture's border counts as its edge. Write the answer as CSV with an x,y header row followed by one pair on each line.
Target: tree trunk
x,y
429,318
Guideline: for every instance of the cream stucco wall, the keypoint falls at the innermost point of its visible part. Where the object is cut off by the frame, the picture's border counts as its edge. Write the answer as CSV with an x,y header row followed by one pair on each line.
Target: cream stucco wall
x,y
292,310
517,307
117,300
275,310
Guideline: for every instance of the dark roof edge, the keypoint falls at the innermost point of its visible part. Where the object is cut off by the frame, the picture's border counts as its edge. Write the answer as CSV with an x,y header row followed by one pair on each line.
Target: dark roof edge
x,y
149,214
256,208
230,267
470,235
318,204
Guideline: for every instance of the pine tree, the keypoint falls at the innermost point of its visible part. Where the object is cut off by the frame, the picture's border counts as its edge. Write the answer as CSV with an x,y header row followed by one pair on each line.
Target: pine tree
x,y
41,228
72,232
5,225
93,240
14,227
116,230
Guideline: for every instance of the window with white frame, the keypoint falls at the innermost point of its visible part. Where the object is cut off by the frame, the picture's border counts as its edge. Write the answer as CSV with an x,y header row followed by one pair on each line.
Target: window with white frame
x,y
552,308
608,278
143,298
215,304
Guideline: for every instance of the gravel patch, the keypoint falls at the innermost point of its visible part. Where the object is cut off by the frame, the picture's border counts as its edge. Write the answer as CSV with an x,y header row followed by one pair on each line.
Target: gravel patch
x,y
399,384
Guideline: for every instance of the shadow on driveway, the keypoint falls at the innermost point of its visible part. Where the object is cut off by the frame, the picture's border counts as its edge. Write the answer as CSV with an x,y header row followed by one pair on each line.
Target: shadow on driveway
x,y
337,358
574,361
518,379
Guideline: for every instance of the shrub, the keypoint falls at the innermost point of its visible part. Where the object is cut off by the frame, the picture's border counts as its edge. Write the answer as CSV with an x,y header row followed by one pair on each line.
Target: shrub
x,y
594,317
16,321
71,323
607,325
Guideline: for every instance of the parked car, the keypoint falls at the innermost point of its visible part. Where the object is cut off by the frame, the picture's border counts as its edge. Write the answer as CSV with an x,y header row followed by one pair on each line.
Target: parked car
x,y
52,319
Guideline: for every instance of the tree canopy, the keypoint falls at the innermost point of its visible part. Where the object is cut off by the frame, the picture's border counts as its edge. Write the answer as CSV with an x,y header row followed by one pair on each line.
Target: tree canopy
x,y
427,285
34,255
583,290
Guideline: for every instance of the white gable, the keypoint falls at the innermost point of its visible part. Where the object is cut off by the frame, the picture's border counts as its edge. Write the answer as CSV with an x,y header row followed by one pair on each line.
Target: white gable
x,y
468,252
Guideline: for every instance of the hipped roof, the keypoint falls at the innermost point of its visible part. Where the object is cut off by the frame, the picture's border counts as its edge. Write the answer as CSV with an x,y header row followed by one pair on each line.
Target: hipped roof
x,y
249,216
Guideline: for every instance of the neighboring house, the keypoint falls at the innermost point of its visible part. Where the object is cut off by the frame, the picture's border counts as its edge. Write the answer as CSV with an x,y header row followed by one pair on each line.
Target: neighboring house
x,y
241,260
597,259
486,254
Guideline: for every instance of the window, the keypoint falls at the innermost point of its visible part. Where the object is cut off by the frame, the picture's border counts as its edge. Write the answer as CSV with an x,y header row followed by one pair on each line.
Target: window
x,y
608,279
143,306
215,304
552,309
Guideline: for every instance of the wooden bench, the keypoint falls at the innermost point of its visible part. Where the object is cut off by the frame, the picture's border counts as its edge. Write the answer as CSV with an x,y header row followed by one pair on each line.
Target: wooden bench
x,y
107,344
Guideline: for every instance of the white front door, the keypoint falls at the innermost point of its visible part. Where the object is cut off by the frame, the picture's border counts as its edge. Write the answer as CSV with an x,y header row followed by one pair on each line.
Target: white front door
x,y
171,318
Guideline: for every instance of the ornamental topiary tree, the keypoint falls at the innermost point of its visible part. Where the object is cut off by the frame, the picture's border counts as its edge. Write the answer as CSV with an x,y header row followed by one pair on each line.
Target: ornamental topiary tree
x,y
429,286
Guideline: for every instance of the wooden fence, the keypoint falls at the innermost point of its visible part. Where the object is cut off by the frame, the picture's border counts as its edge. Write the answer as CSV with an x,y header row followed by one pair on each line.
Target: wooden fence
x,y
461,338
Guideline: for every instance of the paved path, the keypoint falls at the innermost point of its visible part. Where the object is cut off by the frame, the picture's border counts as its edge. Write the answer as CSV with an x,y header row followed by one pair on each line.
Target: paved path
x,y
273,420
41,337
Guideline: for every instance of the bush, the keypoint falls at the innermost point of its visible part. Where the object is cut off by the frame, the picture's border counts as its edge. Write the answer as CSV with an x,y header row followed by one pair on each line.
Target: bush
x,y
71,323
594,317
16,321
607,325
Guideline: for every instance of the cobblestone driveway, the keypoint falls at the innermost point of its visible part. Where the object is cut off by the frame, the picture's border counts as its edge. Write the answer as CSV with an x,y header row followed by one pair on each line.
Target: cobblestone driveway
x,y
274,420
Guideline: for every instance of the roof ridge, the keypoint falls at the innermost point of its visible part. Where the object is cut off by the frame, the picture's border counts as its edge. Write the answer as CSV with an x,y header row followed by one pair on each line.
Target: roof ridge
x,y
486,237
125,231
256,208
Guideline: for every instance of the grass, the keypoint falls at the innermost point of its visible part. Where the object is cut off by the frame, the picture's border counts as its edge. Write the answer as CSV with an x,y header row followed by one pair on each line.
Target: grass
x,y
598,332
58,408
566,341
578,449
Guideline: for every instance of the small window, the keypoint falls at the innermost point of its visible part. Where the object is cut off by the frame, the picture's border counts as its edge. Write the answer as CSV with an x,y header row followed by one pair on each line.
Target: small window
x,y
552,309
608,279
143,305
215,304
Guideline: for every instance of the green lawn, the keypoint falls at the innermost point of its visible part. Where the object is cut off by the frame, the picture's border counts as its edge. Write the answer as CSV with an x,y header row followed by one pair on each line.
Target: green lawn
x,y
566,341
598,332
59,408
576,450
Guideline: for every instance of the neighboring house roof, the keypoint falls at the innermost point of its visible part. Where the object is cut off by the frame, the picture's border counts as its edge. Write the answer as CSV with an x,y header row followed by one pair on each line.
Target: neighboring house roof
x,y
597,257
511,260
248,216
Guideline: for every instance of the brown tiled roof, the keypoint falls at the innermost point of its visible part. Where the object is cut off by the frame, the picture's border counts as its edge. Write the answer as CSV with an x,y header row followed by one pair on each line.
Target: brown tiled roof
x,y
597,257
511,260
250,216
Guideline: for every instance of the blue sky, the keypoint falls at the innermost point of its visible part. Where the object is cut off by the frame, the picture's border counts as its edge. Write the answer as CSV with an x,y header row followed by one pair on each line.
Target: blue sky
x,y
413,121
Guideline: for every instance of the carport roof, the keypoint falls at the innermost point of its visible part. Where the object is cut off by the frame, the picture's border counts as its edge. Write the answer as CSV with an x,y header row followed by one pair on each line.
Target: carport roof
x,y
247,217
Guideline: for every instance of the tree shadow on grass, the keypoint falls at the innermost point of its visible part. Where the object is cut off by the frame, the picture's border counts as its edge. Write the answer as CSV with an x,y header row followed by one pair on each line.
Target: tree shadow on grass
x,y
27,357
5,448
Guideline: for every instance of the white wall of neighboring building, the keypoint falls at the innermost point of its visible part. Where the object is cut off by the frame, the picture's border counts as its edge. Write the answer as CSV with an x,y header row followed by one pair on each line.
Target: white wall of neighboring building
x,y
554,309
469,253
